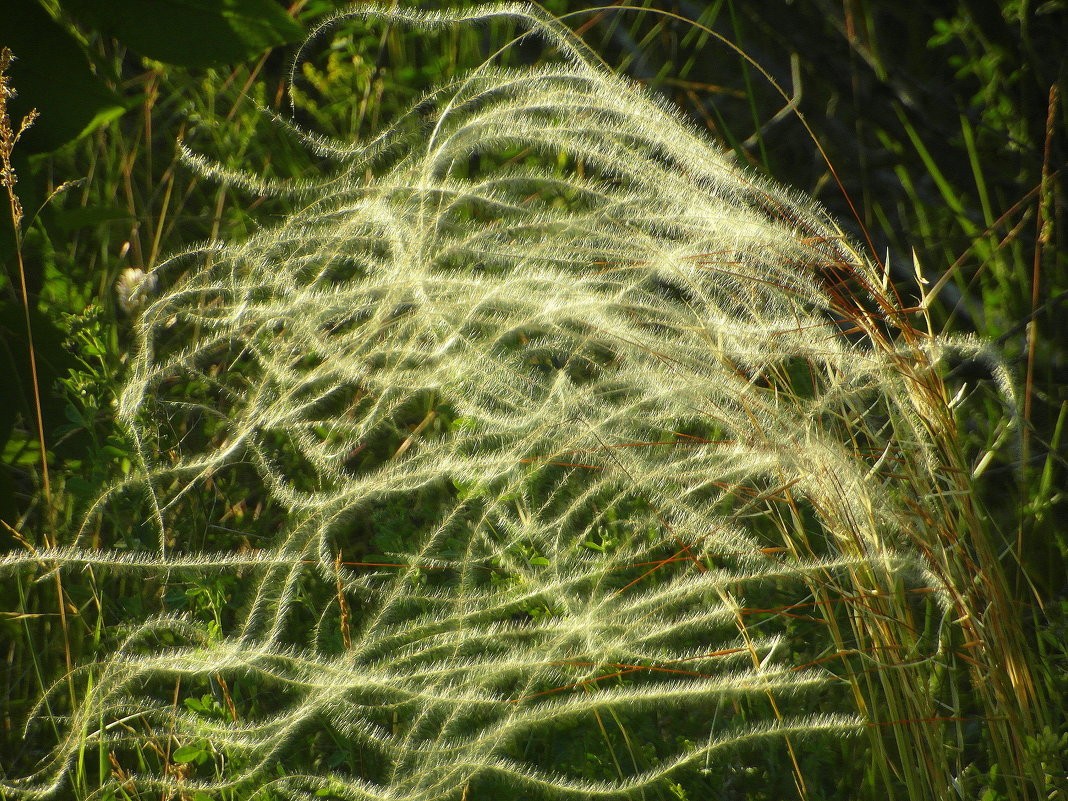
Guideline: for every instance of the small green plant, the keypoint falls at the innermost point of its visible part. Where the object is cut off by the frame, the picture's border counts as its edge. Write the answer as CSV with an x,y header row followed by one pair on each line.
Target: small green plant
x,y
572,429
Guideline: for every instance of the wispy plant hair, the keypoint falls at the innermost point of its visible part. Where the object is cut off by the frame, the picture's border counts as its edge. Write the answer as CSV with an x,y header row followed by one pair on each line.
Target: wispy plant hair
x,y
644,384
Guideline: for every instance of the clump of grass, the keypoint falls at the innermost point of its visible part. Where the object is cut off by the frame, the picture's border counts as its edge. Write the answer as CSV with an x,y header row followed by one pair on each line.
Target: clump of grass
x,y
662,405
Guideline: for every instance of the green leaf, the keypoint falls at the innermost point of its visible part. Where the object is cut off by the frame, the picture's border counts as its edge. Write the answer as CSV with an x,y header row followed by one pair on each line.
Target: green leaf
x,y
73,415
80,488
191,33
539,560
52,75
187,753
113,452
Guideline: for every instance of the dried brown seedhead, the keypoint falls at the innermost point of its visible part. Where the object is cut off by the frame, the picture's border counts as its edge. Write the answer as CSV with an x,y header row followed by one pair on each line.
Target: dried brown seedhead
x,y
9,137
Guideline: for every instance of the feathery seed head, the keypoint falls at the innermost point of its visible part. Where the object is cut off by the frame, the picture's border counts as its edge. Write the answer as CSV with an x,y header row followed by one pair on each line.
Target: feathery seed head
x,y
614,365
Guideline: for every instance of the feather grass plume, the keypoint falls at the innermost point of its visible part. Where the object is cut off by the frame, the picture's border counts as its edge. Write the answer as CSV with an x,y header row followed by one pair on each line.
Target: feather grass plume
x,y
644,386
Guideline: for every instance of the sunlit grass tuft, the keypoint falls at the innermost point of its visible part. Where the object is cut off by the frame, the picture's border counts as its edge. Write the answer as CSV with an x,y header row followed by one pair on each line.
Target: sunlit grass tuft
x,y
675,443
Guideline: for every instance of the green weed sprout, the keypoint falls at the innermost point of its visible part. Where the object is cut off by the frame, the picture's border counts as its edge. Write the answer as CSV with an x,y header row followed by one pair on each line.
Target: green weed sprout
x,y
647,390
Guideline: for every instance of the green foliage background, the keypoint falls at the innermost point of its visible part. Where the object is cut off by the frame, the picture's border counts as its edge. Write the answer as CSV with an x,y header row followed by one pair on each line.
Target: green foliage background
x,y
939,122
